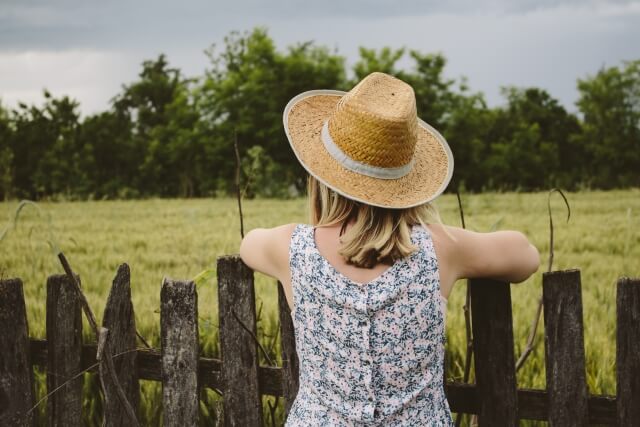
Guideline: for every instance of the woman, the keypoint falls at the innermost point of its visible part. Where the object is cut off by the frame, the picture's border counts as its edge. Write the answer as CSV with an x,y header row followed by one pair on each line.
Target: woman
x,y
368,281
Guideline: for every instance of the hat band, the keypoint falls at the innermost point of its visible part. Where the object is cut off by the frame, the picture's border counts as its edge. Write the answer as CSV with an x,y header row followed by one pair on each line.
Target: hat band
x,y
359,167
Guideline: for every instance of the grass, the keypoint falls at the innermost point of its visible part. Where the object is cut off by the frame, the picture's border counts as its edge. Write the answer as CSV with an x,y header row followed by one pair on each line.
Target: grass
x,y
181,238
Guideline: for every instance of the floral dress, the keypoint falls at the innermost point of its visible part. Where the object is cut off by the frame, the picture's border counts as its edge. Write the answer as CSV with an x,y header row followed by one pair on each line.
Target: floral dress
x,y
370,354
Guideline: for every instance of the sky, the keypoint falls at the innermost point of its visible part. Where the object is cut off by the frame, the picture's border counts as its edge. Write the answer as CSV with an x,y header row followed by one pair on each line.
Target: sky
x,y
88,49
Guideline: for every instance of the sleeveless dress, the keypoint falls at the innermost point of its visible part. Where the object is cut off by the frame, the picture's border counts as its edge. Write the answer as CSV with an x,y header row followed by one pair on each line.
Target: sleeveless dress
x,y
369,354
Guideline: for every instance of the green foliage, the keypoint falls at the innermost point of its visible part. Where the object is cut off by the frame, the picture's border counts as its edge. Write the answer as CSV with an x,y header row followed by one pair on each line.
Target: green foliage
x,y
169,135
610,104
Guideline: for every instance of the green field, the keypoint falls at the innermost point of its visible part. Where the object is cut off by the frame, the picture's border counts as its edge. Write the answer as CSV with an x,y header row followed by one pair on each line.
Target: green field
x,y
182,238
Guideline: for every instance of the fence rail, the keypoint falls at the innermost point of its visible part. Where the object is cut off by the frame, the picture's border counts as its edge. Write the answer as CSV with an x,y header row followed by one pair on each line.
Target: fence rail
x,y
495,398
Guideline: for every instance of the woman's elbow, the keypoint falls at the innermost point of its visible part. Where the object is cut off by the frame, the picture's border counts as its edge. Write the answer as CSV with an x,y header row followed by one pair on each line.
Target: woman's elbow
x,y
534,259
530,262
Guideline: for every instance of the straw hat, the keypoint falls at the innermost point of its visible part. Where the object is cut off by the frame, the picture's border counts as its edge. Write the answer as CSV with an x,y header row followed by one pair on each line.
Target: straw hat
x,y
368,144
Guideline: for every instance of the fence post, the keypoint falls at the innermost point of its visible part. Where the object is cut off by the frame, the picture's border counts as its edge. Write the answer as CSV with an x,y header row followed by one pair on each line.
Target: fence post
x,y
564,348
492,326
180,352
628,351
64,352
16,375
290,368
238,346
120,320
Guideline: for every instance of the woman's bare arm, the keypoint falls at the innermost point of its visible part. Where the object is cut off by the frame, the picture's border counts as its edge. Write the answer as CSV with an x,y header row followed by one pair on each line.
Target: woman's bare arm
x,y
267,250
501,255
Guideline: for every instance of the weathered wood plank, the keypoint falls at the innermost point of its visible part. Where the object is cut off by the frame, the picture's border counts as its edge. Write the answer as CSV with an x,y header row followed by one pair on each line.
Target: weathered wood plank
x,y
532,404
628,351
149,367
564,348
290,368
16,374
492,327
236,299
64,358
119,318
180,350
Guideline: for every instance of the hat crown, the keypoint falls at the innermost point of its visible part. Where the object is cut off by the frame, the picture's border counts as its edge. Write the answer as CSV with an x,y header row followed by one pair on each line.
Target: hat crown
x,y
376,122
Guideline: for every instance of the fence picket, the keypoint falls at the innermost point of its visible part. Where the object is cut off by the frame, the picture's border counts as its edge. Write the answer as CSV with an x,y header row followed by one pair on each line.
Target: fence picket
x,y
564,348
182,372
16,374
180,351
492,327
237,310
119,318
290,368
64,352
628,351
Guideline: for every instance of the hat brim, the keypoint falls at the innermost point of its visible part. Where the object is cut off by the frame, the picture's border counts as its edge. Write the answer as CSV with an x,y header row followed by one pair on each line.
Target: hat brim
x,y
303,119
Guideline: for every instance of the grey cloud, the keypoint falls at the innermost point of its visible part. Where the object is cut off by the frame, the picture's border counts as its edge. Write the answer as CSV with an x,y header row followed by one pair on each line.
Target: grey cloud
x,y
63,24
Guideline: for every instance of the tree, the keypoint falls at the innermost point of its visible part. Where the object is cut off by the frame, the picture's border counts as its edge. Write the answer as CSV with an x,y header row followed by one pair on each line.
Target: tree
x,y
610,105
244,95
383,61
111,159
6,156
532,142
47,159
150,105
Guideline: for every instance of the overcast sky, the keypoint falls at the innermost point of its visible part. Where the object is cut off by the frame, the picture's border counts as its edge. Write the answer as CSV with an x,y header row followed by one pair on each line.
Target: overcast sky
x,y
88,49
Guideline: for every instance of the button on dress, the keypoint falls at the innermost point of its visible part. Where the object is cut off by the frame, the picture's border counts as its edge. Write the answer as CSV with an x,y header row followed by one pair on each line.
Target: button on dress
x,y
370,354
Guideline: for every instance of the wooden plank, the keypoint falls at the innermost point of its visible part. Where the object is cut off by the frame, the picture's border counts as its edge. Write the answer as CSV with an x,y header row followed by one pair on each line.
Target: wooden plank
x,y
180,350
119,318
564,348
16,374
532,403
290,367
64,358
628,351
149,367
492,326
238,346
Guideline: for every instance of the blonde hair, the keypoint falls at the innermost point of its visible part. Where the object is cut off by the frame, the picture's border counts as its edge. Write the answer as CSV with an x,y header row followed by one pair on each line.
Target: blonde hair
x,y
378,235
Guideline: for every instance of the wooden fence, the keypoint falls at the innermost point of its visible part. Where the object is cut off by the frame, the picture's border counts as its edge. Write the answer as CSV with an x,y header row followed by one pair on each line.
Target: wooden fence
x,y
177,364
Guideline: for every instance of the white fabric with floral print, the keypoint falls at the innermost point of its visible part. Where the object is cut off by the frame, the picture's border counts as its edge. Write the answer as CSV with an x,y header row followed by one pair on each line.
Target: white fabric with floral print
x,y
370,354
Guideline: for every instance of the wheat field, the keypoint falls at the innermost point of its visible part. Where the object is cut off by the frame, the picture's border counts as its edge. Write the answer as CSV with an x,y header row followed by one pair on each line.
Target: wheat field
x,y
181,239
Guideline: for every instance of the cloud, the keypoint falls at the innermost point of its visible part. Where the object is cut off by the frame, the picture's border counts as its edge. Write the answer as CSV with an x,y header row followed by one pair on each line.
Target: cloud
x,y
91,77
64,24
88,49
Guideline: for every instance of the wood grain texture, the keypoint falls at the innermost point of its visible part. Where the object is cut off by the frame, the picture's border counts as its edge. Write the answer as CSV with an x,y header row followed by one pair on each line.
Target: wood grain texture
x,y
628,351
564,348
290,367
180,351
532,403
16,374
64,359
237,310
119,318
492,327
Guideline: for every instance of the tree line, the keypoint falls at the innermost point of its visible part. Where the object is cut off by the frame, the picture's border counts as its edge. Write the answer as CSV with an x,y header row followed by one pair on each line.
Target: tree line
x,y
170,135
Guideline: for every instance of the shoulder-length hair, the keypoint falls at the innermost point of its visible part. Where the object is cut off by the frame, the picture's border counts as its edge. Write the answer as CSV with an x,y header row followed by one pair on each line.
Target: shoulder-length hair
x,y
377,235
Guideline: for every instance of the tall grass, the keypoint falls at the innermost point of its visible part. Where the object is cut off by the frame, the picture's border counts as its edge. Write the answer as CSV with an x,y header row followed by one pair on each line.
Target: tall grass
x,y
182,238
